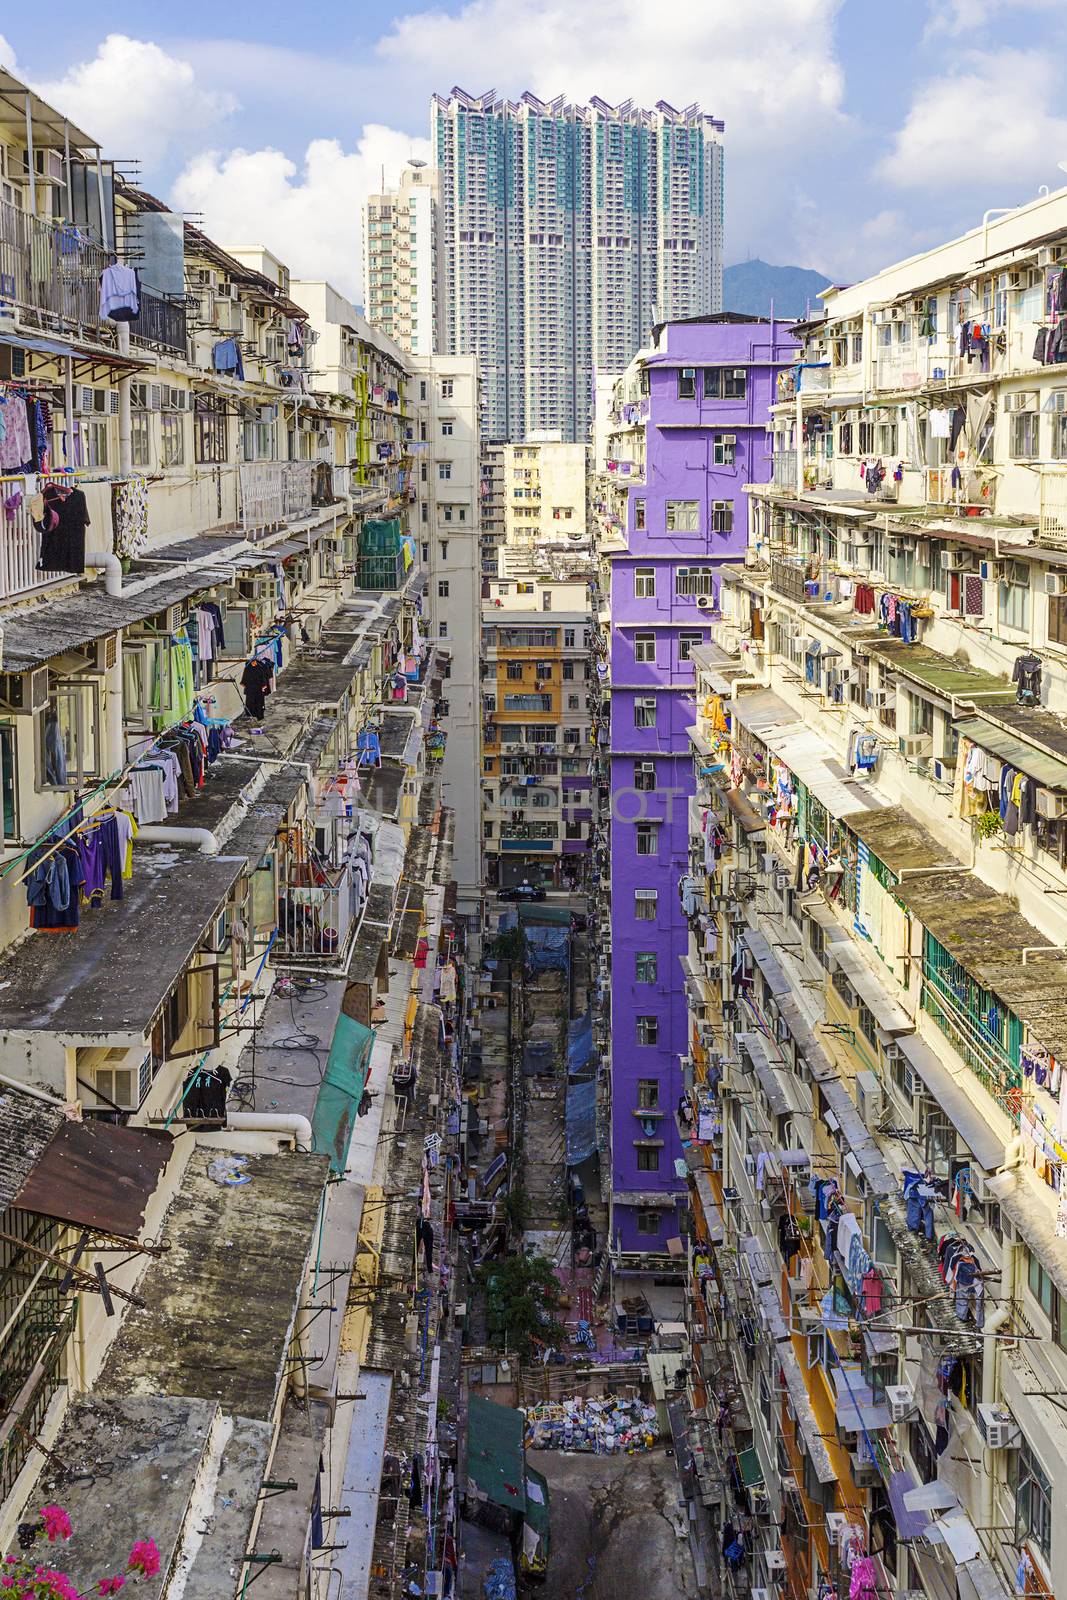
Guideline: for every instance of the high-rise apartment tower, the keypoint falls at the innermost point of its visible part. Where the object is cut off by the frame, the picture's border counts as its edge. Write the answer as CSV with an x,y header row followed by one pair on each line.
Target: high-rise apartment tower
x,y
566,233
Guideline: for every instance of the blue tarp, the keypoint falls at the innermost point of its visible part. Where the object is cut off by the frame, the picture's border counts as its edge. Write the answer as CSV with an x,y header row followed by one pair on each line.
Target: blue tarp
x,y
548,948
580,1043
581,1121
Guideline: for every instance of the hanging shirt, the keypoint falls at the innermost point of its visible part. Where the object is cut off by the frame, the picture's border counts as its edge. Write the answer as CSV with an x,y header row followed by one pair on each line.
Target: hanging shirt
x,y
119,294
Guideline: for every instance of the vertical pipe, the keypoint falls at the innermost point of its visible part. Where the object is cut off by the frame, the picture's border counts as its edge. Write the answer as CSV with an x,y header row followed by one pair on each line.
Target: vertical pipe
x,y
125,421
66,170
31,159
100,200
68,406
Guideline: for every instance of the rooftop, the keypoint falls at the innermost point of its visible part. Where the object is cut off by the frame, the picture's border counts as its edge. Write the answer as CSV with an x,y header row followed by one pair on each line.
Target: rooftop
x,y
218,1306
110,978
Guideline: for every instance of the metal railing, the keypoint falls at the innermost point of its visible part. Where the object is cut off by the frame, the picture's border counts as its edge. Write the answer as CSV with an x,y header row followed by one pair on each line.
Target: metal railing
x,y
1054,505
49,272
160,321
20,544
784,469
273,492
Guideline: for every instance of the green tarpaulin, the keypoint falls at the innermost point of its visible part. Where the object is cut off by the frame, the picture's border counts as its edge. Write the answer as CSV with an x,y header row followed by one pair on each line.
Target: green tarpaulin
x,y
342,1087
496,1464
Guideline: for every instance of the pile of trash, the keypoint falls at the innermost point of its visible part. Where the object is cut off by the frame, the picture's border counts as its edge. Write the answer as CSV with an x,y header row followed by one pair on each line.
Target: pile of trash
x,y
499,1582
602,1427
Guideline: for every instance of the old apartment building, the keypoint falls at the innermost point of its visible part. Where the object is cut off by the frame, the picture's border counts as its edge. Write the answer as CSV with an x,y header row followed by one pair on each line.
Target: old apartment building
x,y
224,887
872,1122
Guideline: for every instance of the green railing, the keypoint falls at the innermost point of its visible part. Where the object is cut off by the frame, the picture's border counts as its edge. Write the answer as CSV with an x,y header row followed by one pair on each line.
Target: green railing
x,y
981,1029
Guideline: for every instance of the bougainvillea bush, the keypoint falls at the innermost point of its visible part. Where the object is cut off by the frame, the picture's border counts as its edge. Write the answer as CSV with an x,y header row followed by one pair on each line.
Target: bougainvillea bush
x,y
31,1575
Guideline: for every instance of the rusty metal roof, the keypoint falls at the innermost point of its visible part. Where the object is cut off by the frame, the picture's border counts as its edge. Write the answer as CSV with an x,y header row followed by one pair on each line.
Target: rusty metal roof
x,y
95,1175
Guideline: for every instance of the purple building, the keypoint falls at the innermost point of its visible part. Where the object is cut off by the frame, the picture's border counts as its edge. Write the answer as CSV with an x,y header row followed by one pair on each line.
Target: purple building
x,y
687,434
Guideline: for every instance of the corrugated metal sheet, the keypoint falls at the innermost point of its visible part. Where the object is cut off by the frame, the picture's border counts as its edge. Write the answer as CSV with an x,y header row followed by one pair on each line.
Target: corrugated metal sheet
x,y
95,1175
27,1124
495,1454
1044,769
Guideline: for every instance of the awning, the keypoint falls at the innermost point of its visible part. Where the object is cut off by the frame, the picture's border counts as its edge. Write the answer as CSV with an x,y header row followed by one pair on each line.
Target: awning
x,y
942,675
898,839
888,1013
1028,1205
77,351
581,1121
807,1422
1044,769
854,1403
712,1214
778,1101
95,1175
342,1088
807,756
910,1524
495,1454
985,932
951,1096
746,815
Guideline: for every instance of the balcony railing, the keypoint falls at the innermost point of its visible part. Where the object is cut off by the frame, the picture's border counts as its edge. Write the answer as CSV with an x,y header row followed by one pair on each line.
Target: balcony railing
x,y
273,492
784,469
160,322
1054,506
20,544
51,274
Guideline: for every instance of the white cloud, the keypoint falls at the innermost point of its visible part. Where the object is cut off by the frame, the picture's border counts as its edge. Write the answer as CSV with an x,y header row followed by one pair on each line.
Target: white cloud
x,y
137,99
312,216
688,50
994,120
963,17
7,55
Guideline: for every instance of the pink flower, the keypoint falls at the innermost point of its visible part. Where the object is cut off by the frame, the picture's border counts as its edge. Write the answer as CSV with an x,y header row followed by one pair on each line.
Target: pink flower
x,y
111,1585
144,1558
56,1523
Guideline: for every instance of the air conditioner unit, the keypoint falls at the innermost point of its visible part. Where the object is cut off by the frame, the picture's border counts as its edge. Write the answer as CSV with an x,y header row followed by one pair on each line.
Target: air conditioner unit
x,y
998,1428
956,560
705,602
1021,400
1055,583
870,1099
775,1561
901,1400
106,652
878,697
24,692
917,746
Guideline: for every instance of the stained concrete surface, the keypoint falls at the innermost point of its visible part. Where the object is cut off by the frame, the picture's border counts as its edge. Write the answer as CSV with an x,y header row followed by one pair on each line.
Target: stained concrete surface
x,y
618,1527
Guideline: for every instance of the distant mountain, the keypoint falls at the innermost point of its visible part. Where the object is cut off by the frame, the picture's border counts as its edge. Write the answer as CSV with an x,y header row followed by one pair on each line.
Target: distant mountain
x,y
751,286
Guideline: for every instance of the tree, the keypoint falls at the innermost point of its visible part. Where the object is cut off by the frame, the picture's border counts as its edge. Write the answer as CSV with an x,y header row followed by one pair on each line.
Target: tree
x,y
509,946
523,1296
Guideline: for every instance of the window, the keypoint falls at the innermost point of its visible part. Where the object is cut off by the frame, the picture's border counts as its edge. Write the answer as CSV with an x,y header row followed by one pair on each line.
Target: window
x,y
1022,435
1013,597
645,776
725,383
645,905
683,516
425,553
8,781
446,388
444,470
647,1030
140,439
693,582
94,435
446,430
722,516
648,1220
568,670
645,711
687,643
687,383
647,834
647,1159
648,1094
1033,1501
546,601
644,583
639,515
645,647
725,451
210,443
645,966
442,589
515,671
67,733
442,630
868,1027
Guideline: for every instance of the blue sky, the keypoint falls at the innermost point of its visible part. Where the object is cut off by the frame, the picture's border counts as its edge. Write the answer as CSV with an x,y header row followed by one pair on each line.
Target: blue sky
x,y
857,131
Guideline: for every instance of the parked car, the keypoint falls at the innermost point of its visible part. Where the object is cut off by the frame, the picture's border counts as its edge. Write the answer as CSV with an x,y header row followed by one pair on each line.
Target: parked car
x,y
521,891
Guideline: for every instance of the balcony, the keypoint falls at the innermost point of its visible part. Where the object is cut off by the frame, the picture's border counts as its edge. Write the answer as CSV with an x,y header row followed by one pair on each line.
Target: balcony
x,y
160,323
975,492
274,492
1054,507
51,274
784,469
